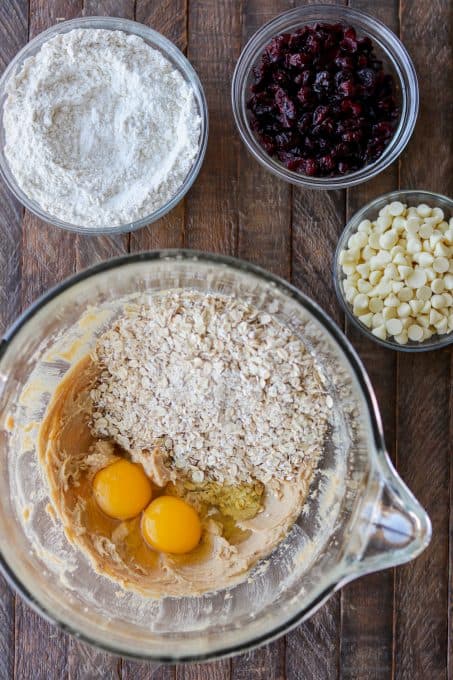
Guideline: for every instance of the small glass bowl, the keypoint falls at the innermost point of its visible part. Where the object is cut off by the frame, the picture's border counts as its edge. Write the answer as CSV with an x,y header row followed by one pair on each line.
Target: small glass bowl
x,y
156,41
370,212
387,48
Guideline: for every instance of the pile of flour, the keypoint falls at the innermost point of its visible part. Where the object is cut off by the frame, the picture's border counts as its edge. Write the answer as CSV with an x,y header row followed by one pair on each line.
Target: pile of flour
x,y
100,128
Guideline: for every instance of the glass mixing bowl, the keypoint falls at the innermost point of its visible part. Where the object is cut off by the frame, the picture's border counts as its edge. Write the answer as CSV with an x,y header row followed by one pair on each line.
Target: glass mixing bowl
x,y
157,42
387,48
360,516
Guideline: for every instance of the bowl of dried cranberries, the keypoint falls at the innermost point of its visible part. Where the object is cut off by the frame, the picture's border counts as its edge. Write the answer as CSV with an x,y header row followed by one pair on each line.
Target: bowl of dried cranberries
x,y
325,96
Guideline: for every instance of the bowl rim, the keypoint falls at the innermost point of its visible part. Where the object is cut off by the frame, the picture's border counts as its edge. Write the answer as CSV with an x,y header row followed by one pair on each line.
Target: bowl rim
x,y
402,64
351,228
337,578
158,42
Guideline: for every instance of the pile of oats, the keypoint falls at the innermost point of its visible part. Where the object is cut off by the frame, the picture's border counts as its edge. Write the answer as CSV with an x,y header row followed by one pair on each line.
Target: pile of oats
x,y
235,395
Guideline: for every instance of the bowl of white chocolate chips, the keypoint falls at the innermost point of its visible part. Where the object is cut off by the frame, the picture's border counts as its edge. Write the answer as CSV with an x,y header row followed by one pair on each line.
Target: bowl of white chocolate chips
x,y
393,270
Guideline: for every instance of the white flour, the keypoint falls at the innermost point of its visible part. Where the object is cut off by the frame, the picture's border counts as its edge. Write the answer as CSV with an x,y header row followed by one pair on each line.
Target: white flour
x,y
100,128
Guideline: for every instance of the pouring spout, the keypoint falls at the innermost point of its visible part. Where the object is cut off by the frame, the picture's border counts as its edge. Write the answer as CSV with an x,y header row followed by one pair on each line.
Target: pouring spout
x,y
398,528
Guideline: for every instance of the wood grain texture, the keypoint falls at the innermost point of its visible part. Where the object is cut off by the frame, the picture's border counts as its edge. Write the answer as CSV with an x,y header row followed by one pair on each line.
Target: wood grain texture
x,y
13,35
169,18
367,604
312,650
424,381
48,256
215,37
218,670
264,234
137,670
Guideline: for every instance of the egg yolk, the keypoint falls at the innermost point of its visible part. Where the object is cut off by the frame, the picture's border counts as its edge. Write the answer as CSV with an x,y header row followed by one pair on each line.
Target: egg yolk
x,y
122,489
171,525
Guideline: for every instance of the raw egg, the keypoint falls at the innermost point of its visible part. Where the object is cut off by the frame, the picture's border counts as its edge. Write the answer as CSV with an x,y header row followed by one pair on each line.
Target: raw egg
x,y
171,525
122,489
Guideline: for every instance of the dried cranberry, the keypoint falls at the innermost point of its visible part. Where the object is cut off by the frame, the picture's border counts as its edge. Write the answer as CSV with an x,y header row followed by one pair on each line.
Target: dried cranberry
x,y
367,78
287,140
344,62
304,122
276,47
297,60
319,114
312,45
323,82
352,136
383,130
327,163
305,95
347,88
364,44
362,60
321,102
286,107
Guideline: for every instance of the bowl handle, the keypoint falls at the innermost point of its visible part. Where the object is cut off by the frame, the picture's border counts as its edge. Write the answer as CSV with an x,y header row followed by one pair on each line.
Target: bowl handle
x,y
396,527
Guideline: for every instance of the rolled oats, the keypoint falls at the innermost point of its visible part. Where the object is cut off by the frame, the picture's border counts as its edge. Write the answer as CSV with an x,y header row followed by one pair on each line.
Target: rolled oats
x,y
232,392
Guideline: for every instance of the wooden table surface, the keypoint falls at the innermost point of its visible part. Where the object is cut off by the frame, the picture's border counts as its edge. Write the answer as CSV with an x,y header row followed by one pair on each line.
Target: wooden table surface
x,y
394,624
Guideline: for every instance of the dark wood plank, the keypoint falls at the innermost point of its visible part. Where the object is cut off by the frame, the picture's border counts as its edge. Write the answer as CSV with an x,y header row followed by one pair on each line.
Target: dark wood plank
x,y
146,670
13,35
312,650
109,8
367,604
169,17
218,670
48,257
214,45
264,237
424,381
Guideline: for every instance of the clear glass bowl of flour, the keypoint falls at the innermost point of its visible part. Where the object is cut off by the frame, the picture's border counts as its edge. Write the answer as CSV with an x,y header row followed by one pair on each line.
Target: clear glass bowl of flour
x,y
359,517
180,64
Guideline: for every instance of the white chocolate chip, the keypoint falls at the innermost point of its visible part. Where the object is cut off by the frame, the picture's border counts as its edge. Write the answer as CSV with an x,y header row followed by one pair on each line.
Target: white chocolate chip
x,y
417,279
438,301
396,208
376,305
388,239
423,210
364,226
403,310
366,319
406,294
441,265
380,332
394,326
438,286
415,333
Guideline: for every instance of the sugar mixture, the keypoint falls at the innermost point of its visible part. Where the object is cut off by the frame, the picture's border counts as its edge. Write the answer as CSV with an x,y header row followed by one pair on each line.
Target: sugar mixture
x,y
218,406
100,128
